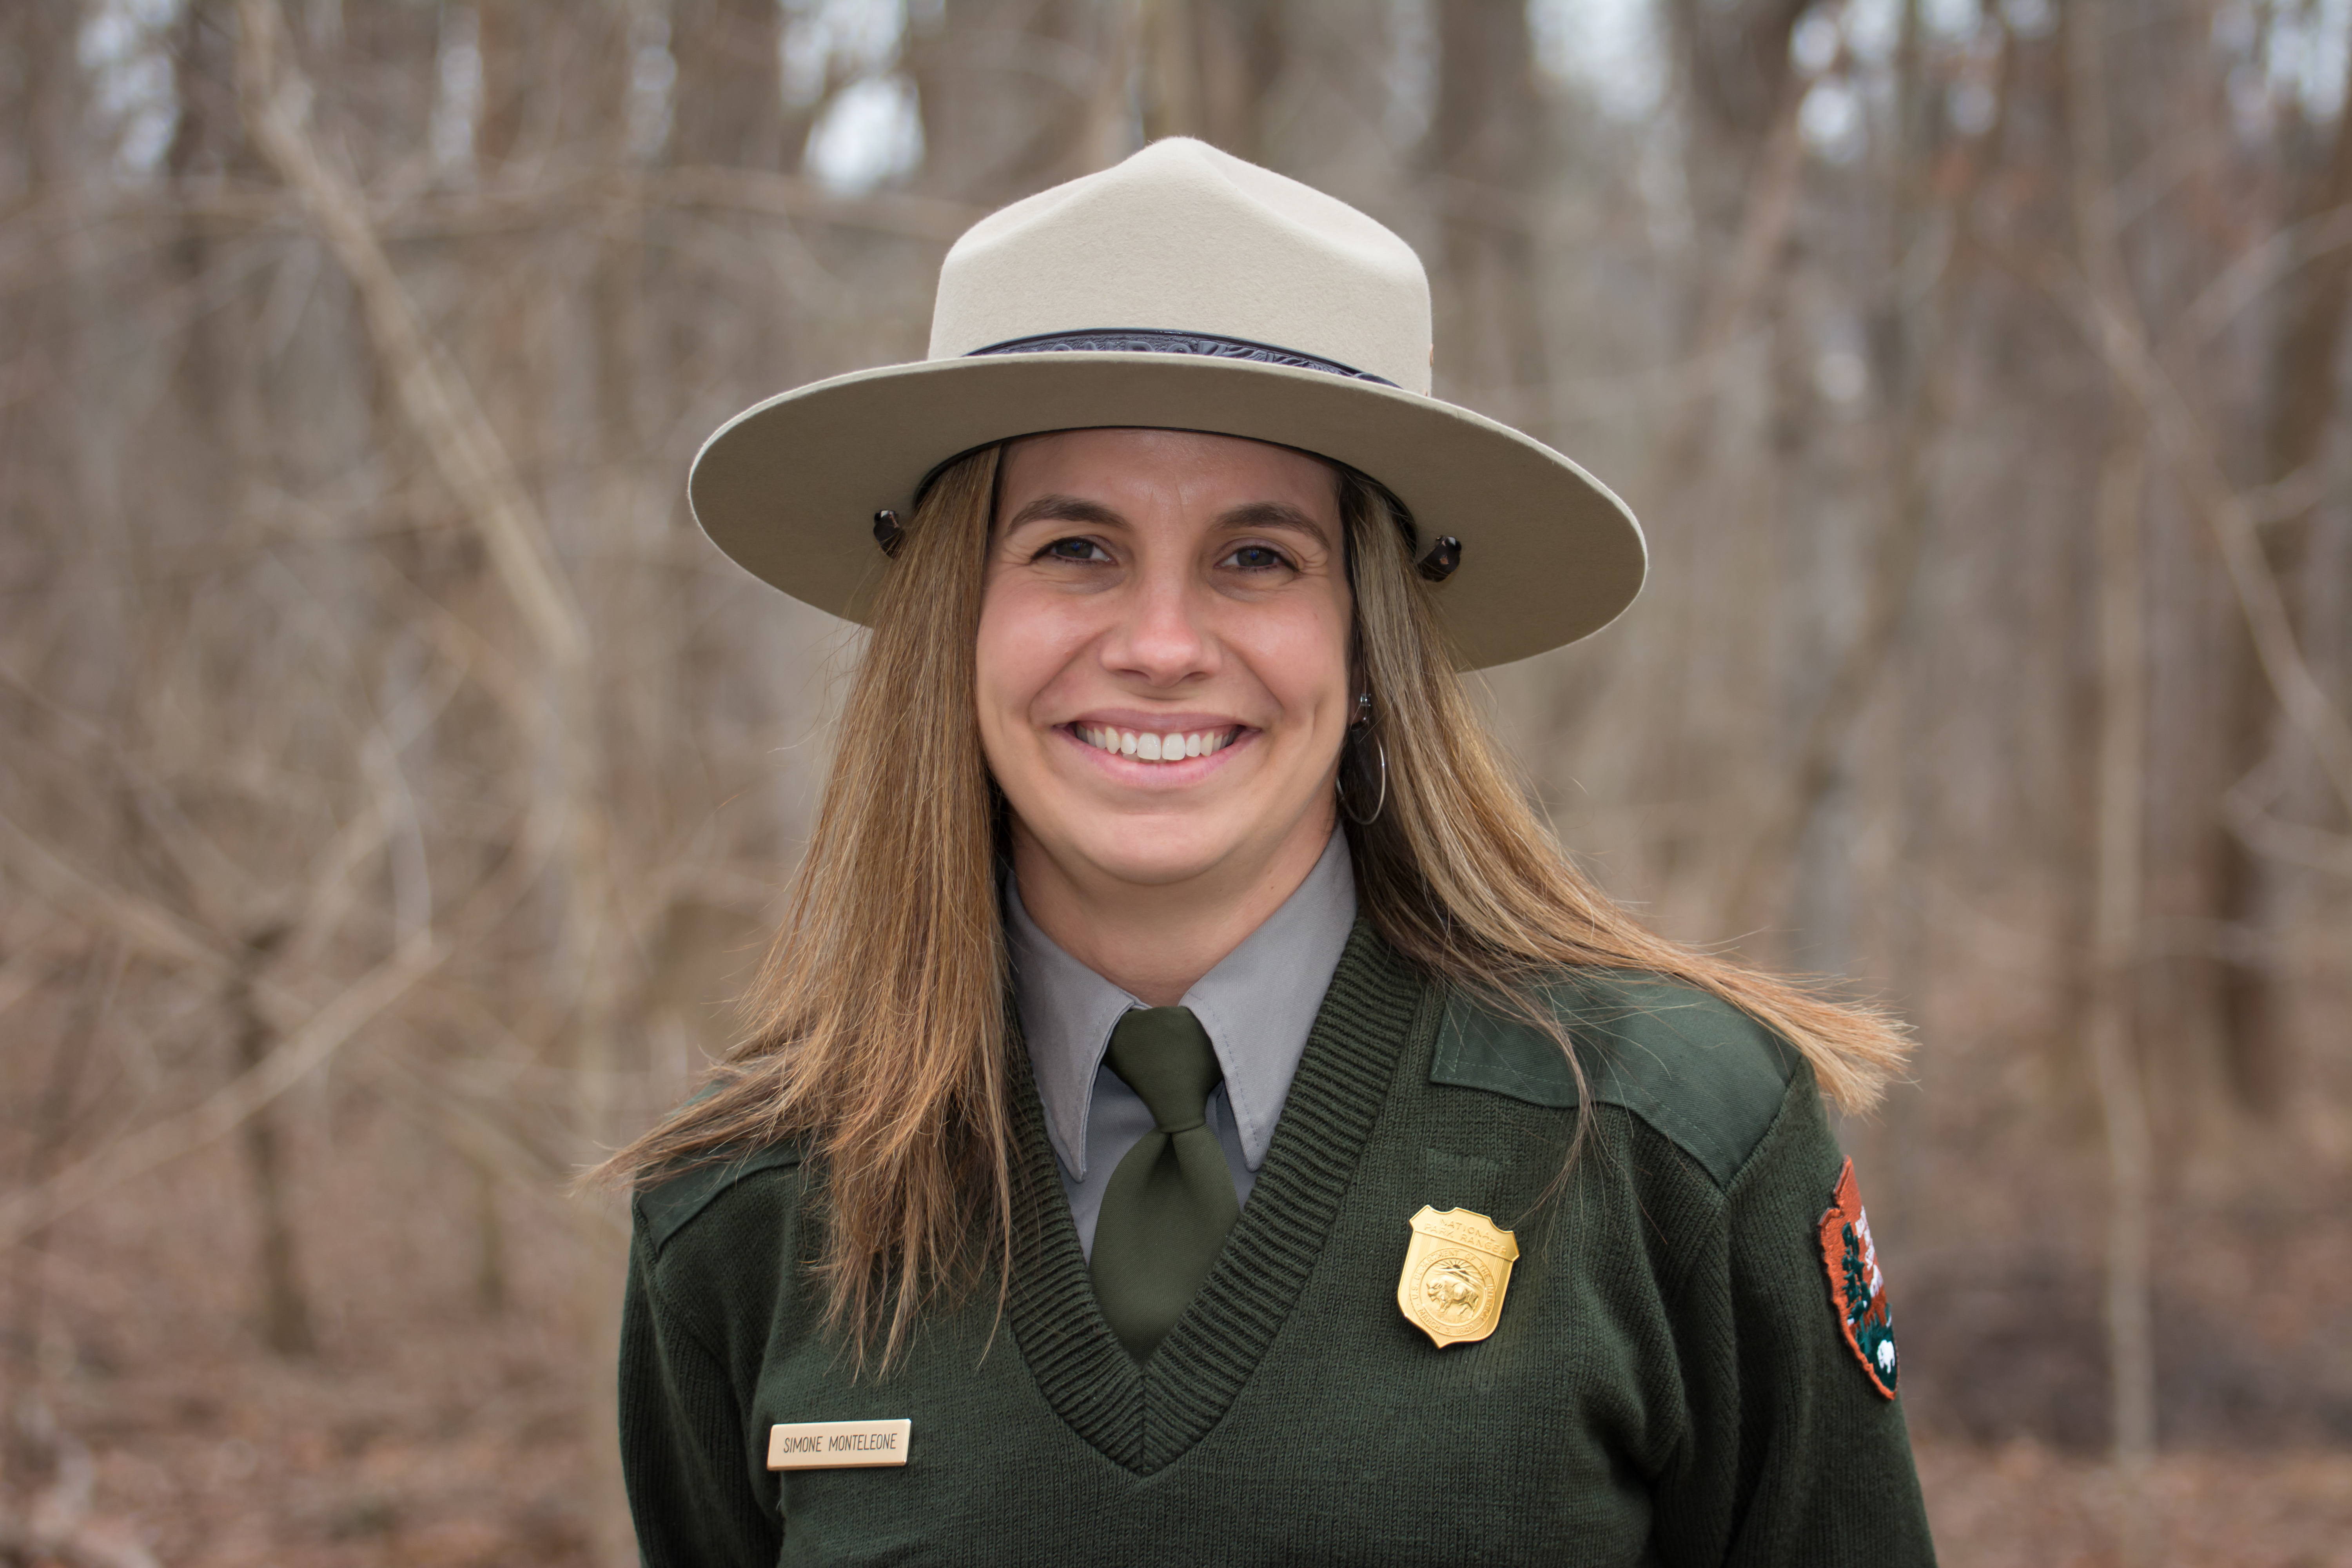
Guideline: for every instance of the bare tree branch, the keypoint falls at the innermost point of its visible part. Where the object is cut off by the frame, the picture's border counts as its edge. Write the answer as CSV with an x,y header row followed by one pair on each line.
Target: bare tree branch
x,y
2110,321
143,924
462,444
2290,843
303,1052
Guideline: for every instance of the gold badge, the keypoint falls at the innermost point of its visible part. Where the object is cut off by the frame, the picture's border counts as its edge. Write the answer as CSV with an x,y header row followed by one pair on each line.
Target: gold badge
x,y
1454,1275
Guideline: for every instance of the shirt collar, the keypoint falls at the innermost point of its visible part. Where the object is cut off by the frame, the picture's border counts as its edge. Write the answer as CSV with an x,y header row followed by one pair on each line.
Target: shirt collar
x,y
1257,1005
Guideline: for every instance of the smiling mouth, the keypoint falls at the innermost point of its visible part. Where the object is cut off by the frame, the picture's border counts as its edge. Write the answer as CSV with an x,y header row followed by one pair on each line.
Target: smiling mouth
x,y
1146,746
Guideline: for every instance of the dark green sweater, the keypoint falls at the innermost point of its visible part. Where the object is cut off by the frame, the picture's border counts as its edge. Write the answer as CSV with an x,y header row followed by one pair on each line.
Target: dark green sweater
x,y
1668,1382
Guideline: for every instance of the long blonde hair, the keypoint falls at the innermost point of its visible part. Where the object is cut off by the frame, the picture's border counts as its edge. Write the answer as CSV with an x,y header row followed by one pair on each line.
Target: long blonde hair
x,y
880,1035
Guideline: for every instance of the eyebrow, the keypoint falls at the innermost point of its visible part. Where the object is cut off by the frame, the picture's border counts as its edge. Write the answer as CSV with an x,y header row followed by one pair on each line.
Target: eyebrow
x,y
1272,514
1253,514
1064,509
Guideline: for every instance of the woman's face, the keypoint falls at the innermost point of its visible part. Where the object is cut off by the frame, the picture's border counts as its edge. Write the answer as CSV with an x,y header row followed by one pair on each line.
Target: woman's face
x,y
1163,678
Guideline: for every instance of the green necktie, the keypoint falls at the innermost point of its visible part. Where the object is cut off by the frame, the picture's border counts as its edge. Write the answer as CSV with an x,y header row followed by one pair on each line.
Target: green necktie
x,y
1170,1201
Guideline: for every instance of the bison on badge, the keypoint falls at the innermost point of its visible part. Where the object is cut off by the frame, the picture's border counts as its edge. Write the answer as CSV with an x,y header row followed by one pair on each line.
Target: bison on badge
x,y
1453,1290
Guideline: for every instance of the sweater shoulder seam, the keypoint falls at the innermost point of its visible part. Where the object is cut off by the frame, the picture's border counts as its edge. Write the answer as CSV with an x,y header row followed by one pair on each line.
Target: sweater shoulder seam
x,y
1699,1071
1684,1251
1685,1255
678,1322
668,1205
1802,1082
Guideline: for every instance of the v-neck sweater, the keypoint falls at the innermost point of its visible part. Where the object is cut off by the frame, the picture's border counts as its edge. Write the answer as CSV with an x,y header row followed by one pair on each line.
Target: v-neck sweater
x,y
1667,1381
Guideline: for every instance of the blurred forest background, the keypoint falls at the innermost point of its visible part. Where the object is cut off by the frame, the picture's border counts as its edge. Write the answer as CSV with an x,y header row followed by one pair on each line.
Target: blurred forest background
x,y
396,787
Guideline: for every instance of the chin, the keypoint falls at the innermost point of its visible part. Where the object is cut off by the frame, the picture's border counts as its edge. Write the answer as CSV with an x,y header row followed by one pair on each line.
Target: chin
x,y
1145,860
1157,852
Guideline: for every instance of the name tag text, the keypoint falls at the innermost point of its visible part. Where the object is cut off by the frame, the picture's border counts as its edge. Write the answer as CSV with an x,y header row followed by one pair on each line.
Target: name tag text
x,y
837,1445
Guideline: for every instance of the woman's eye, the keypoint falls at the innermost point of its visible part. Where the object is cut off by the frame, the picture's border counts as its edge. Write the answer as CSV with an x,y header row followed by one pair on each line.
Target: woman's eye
x,y
1256,558
1075,550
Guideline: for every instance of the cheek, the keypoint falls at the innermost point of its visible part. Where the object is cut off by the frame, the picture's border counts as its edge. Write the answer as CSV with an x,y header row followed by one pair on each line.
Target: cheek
x,y
1302,659
1021,647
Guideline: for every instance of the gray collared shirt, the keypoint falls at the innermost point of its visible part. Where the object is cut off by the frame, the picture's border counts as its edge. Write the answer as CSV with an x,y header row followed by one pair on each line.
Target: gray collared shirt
x,y
1257,1005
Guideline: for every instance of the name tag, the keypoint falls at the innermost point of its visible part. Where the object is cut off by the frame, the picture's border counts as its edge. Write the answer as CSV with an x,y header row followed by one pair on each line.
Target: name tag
x,y
837,1445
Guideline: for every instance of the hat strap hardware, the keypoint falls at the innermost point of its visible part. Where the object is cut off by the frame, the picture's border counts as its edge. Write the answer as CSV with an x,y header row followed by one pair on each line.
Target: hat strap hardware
x,y
887,533
1443,558
1156,341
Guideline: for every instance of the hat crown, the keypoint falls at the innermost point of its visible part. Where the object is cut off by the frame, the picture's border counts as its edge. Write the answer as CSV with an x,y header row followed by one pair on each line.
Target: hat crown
x,y
1181,237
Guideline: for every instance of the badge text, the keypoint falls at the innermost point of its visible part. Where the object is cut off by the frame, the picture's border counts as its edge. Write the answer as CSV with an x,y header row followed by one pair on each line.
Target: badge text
x,y
837,1445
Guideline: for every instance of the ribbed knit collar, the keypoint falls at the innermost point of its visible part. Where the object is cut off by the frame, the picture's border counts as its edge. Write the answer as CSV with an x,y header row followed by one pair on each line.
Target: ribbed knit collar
x,y
1145,1418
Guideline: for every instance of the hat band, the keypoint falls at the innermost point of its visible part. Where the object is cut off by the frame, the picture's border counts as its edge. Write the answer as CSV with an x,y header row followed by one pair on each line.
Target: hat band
x,y
1153,341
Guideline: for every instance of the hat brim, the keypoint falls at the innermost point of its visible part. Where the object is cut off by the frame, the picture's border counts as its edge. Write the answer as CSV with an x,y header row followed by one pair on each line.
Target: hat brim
x,y
789,487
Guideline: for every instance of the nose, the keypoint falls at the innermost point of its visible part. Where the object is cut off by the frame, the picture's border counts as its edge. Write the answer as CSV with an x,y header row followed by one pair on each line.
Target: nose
x,y
1160,636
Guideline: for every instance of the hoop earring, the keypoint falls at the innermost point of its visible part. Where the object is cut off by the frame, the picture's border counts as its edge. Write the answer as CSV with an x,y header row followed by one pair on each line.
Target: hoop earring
x,y
1340,785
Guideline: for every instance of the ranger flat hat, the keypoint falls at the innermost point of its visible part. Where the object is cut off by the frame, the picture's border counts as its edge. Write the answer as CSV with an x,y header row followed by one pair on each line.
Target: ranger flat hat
x,y
1184,289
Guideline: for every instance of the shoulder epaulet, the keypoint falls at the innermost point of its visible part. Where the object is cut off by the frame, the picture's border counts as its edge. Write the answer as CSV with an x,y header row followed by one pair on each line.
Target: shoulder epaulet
x,y
665,1207
1695,1067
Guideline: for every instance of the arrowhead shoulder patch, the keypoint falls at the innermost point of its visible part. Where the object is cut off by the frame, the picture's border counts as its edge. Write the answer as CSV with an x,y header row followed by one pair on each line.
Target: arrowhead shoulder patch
x,y
1857,1289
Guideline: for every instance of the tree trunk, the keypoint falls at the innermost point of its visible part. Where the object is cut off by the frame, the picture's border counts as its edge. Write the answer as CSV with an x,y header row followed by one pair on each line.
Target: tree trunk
x,y
1484,150
1207,66
1017,95
284,1305
2303,396
2129,1308
729,106
2114,960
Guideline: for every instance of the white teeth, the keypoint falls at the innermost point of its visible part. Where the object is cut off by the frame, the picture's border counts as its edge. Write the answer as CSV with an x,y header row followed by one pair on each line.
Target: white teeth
x,y
1145,746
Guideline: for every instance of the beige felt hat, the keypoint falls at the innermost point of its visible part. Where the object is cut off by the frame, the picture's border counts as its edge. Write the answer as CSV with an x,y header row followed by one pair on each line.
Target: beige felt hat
x,y
1182,290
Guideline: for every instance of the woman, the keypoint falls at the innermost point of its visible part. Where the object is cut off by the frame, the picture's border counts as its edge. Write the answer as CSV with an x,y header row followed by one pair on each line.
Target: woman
x,y
1195,1111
